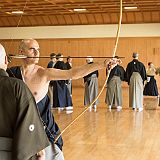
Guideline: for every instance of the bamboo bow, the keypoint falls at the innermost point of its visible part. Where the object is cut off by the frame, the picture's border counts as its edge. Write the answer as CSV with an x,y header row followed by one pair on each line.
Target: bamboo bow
x,y
114,53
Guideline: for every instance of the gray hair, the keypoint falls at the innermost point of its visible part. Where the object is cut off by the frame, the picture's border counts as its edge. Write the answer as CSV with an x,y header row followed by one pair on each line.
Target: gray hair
x,y
23,44
135,55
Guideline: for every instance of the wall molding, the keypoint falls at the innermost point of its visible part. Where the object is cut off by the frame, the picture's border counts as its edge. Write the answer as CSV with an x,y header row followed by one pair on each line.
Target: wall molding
x,y
80,31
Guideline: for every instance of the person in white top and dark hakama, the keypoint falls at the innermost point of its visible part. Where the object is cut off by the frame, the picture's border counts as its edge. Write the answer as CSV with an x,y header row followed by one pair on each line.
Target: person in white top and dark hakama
x,y
151,88
91,86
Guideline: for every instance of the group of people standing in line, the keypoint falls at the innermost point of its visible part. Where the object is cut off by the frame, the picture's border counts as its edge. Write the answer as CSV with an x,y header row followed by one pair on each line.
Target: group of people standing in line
x,y
29,131
141,82
60,91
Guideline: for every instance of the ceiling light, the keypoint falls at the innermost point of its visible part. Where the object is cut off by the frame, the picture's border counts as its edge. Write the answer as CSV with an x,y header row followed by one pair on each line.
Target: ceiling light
x,y
130,7
17,12
8,13
79,9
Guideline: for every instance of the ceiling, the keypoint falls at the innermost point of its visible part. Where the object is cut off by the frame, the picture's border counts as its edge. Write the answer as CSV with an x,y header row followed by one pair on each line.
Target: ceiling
x,y
60,12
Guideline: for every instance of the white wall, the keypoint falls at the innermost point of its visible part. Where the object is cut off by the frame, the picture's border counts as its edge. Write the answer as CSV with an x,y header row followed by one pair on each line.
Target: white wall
x,y
80,31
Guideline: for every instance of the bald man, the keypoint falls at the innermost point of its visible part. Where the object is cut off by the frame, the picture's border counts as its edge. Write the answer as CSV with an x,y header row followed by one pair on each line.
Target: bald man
x,y
22,134
37,78
135,76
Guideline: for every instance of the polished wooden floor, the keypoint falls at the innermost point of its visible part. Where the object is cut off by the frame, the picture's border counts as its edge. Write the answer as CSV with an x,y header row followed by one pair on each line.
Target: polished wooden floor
x,y
110,135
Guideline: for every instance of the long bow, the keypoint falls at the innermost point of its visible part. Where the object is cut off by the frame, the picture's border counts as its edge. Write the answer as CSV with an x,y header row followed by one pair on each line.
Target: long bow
x,y
114,53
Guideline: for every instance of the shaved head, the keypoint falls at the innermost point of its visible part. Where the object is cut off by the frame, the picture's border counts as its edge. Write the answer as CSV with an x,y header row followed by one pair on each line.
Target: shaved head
x,y
3,60
25,42
2,54
30,48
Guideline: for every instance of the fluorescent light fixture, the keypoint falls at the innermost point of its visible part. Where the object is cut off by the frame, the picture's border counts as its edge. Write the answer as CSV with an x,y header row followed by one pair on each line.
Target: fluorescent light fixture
x,y
17,12
79,9
130,7
8,13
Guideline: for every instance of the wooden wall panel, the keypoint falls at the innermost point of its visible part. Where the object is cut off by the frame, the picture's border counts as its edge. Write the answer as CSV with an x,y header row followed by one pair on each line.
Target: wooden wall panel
x,y
148,48
138,17
155,16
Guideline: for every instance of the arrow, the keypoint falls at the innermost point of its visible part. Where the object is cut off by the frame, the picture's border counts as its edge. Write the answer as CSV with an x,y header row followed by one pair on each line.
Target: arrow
x,y
23,56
